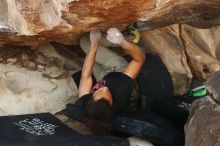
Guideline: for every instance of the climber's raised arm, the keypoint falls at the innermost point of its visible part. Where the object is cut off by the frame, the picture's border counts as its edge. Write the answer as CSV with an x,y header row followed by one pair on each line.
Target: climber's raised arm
x,y
138,56
86,77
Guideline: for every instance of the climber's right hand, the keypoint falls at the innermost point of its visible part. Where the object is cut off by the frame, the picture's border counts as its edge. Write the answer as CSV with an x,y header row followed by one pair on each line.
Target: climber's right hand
x,y
115,36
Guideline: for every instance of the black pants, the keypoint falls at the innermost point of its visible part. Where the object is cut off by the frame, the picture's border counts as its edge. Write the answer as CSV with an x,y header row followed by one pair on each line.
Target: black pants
x,y
157,92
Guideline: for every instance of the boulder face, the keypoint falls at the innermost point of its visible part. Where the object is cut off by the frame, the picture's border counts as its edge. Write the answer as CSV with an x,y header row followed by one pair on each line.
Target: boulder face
x,y
202,127
186,51
31,22
34,81
202,50
63,20
198,13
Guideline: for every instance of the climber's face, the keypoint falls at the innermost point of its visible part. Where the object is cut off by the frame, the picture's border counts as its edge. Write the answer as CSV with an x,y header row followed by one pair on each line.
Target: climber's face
x,y
102,93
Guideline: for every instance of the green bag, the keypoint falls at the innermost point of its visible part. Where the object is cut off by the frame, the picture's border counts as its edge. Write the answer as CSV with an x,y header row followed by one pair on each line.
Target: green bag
x,y
198,91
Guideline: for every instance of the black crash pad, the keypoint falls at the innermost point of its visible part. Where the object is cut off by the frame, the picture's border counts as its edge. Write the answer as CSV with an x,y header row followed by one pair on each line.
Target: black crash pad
x,y
45,129
149,126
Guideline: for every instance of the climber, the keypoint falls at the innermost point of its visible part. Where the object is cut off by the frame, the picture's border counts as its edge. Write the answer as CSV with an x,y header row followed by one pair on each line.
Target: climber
x,y
111,94
99,103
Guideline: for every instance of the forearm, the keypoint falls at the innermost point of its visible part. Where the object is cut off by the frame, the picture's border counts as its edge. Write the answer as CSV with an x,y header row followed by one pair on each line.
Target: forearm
x,y
86,77
89,62
134,51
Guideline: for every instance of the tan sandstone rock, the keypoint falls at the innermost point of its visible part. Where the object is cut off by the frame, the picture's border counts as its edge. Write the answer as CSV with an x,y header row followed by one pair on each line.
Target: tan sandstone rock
x,y
186,51
202,128
30,22
34,81
202,49
198,13
134,141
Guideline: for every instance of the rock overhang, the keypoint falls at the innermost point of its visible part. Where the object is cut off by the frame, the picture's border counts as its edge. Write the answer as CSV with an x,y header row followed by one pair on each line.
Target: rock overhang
x,y
33,22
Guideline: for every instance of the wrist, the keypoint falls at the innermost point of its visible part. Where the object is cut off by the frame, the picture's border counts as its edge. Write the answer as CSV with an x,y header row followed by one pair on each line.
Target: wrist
x,y
124,43
94,44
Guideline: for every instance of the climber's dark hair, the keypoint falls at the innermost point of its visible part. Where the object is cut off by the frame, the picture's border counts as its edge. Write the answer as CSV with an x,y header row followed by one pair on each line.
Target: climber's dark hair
x,y
98,115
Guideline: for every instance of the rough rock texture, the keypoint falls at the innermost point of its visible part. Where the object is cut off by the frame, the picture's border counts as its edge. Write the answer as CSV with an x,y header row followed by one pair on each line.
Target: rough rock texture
x,y
202,127
64,20
134,141
202,48
34,81
198,13
187,52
